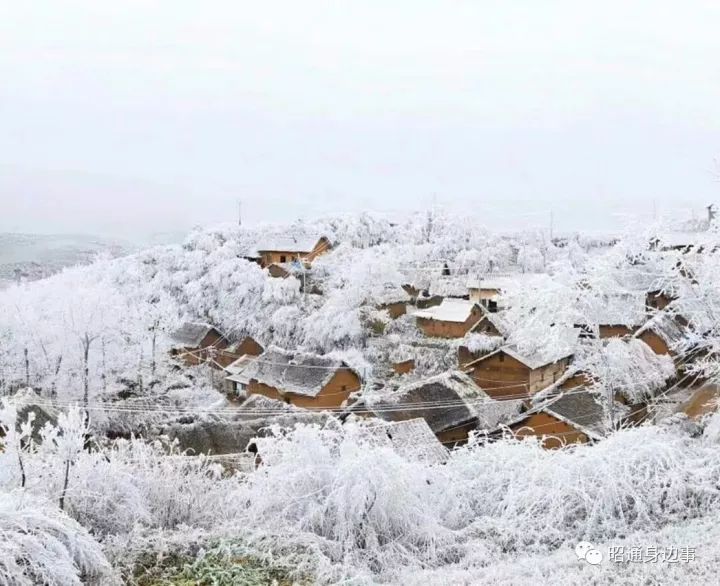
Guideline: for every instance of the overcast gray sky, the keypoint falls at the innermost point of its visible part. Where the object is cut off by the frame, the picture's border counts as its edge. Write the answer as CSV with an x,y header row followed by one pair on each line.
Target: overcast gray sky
x,y
138,116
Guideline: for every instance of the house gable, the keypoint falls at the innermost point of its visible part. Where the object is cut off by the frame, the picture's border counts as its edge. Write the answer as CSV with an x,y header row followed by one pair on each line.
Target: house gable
x,y
249,346
500,375
214,339
334,393
504,375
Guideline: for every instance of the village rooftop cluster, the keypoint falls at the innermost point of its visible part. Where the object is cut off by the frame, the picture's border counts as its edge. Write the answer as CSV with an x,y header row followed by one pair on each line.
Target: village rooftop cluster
x,y
551,390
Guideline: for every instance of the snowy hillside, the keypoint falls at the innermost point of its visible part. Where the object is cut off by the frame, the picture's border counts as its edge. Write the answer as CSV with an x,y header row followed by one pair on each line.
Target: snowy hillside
x,y
327,500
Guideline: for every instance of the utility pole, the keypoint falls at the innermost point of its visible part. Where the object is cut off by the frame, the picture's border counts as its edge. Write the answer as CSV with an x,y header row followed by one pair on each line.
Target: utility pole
x,y
239,212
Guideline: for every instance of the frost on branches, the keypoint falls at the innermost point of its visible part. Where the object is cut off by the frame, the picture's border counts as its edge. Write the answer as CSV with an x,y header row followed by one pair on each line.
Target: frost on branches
x,y
323,501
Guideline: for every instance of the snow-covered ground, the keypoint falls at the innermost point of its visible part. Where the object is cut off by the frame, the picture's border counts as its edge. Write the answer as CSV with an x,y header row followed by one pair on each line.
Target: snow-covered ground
x,y
326,506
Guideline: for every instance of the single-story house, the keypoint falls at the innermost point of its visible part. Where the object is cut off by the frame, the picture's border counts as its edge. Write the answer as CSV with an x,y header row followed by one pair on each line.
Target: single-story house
x,y
453,318
292,247
304,380
488,290
197,343
509,373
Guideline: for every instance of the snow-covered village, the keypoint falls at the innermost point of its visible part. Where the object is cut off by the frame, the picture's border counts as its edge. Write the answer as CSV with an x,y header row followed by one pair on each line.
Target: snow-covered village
x,y
355,400
359,293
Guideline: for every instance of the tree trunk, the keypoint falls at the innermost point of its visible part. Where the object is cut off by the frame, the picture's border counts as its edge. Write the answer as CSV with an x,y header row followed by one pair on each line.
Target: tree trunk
x,y
65,485
53,387
152,358
104,368
86,371
22,468
139,373
27,368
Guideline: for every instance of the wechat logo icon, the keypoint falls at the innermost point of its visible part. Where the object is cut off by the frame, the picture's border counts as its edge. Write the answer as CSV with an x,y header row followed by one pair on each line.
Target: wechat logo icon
x,y
586,551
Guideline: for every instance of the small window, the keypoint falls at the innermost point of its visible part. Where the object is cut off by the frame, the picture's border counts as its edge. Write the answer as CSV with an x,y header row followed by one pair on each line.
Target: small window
x,y
344,387
501,357
283,258
492,306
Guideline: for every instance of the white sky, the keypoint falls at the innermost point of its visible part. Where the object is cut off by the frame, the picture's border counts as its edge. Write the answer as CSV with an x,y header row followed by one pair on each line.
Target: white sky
x,y
140,116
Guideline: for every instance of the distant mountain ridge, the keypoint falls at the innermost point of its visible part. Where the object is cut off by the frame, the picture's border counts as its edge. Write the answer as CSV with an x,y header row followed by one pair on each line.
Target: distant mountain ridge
x,y
35,256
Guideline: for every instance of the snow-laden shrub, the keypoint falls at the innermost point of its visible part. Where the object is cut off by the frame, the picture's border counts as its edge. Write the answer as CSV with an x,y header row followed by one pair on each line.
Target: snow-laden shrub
x,y
362,512
482,343
361,508
629,367
140,483
112,489
39,544
524,497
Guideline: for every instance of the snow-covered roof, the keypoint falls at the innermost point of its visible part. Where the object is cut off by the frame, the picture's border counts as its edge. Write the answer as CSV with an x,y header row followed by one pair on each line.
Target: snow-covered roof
x,y
627,309
448,285
536,358
237,370
445,401
450,309
577,407
290,243
695,310
580,409
263,409
190,335
413,439
434,399
539,357
639,279
297,373
504,281
677,239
